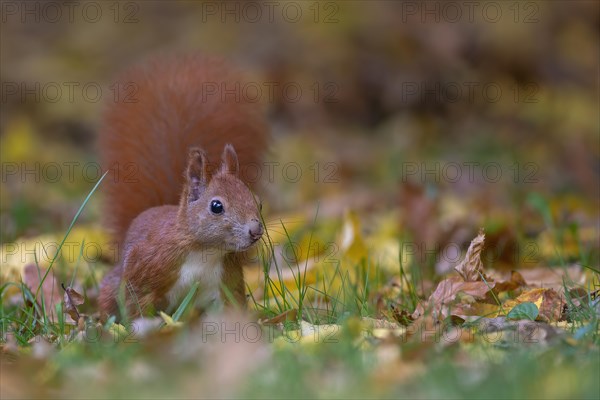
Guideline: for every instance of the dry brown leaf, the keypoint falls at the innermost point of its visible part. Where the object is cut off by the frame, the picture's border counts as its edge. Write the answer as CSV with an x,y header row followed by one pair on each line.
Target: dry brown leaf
x,y
72,299
478,309
49,292
471,266
515,282
402,316
448,289
552,306
419,312
469,282
554,278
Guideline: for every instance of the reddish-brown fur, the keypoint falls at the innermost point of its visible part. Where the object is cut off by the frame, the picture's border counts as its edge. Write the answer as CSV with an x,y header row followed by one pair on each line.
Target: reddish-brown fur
x,y
154,136
153,242
171,110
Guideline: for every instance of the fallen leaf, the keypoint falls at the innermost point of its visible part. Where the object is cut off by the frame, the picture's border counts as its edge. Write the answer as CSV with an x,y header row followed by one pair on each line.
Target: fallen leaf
x,y
40,250
448,289
554,278
470,267
419,312
469,282
552,306
312,260
72,299
479,309
351,240
515,282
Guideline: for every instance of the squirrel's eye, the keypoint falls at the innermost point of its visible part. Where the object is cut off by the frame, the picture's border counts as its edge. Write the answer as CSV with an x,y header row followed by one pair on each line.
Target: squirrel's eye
x,y
216,207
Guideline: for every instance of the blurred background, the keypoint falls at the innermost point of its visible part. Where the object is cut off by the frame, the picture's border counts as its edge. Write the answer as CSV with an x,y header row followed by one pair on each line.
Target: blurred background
x,y
441,111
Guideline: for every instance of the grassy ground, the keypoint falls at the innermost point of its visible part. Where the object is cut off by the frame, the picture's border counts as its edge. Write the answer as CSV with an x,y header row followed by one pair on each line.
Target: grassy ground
x,y
343,329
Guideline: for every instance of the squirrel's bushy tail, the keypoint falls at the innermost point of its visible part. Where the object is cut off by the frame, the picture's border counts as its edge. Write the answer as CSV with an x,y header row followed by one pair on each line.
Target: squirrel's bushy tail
x,y
159,110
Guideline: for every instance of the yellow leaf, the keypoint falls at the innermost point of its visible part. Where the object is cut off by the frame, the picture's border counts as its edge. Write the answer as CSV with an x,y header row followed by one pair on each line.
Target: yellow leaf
x,y
42,249
383,243
351,242
322,264
534,296
19,142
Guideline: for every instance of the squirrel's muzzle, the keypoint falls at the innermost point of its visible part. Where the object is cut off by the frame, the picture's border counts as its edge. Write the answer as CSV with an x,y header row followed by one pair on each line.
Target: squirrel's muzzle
x,y
255,229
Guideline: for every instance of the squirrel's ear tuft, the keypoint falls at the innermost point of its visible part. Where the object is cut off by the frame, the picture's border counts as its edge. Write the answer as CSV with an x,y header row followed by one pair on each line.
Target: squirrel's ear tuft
x,y
197,173
230,163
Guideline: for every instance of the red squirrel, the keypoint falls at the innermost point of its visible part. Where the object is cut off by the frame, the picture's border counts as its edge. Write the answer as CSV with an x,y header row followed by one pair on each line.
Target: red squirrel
x,y
177,223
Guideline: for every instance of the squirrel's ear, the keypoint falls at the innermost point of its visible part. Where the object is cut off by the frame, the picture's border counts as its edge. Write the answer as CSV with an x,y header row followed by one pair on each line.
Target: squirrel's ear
x,y
197,173
230,163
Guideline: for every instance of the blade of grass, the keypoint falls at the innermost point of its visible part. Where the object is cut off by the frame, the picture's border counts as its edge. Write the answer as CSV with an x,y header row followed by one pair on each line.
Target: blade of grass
x,y
186,302
75,218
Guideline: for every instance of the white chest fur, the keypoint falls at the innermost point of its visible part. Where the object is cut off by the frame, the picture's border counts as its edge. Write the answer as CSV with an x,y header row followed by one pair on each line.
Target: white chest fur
x,y
204,267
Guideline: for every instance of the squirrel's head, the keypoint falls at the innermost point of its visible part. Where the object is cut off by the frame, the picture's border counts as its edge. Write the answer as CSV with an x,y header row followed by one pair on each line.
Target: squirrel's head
x,y
220,211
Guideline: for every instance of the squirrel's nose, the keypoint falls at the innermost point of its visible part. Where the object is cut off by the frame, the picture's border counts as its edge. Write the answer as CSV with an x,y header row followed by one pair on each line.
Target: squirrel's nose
x,y
255,229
